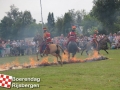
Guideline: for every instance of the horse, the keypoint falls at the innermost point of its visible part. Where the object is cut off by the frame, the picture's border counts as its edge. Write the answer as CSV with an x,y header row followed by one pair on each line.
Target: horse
x,y
54,49
102,45
86,46
72,48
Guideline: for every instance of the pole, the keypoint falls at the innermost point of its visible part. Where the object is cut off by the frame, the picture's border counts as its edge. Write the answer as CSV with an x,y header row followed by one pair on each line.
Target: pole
x,y
41,16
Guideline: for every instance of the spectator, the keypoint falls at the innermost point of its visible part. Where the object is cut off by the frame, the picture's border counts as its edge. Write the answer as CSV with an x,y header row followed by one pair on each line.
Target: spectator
x,y
61,42
113,46
18,44
7,50
110,38
3,49
23,47
33,47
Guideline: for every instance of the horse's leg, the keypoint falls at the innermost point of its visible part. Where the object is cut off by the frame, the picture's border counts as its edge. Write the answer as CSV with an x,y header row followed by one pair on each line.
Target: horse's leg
x,y
54,54
37,57
87,52
44,52
39,50
82,51
40,53
57,59
106,51
73,54
60,59
68,56
98,52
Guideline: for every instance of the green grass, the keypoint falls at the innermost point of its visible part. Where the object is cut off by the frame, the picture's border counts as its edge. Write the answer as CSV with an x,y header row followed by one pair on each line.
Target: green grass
x,y
98,75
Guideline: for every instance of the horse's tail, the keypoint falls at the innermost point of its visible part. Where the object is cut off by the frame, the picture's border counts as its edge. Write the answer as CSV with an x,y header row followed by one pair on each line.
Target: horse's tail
x,y
58,46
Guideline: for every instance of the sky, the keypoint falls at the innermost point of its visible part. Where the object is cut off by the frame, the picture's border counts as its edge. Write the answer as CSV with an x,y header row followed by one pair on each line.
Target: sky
x,y
58,7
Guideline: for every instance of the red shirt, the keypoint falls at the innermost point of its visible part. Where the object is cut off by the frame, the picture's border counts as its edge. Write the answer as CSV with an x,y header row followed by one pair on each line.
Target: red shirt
x,y
95,36
72,35
47,35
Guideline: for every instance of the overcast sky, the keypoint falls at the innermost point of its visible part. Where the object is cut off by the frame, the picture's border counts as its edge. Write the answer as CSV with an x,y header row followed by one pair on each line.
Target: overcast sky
x,y
58,7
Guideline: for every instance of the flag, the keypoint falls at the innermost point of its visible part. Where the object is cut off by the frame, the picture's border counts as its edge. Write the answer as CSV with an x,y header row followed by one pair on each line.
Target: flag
x,y
5,80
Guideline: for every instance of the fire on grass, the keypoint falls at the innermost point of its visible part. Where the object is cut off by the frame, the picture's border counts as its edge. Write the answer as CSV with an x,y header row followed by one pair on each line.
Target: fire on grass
x,y
45,62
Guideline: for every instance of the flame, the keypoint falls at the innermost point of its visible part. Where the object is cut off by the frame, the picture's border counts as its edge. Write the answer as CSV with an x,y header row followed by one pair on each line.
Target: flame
x,y
32,62
74,59
65,56
3,66
25,64
54,60
44,61
8,65
15,63
94,55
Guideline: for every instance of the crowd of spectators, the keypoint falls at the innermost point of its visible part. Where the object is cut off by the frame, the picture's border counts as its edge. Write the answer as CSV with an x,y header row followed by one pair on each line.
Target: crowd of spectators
x,y
22,47
16,48
115,40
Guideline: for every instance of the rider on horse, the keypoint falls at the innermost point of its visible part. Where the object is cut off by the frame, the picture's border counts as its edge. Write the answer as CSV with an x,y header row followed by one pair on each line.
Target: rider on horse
x,y
47,40
72,36
95,42
47,36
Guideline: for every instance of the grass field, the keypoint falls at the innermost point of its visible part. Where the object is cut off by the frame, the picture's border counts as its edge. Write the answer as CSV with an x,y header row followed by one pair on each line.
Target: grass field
x,y
97,75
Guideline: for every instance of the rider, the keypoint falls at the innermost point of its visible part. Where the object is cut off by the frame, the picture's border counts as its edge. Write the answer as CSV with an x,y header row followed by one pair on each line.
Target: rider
x,y
47,39
72,36
47,36
95,39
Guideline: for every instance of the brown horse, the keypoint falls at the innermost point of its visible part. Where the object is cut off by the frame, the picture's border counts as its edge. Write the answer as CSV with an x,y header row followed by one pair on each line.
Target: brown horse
x,y
54,49
102,45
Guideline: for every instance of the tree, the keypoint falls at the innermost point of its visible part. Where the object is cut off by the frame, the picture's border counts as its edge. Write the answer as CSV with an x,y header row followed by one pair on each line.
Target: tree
x,y
67,23
31,30
90,23
27,18
104,11
6,27
59,26
72,17
15,23
51,21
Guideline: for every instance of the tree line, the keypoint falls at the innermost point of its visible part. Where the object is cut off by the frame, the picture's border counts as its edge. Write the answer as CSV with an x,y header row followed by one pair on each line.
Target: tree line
x,y
104,16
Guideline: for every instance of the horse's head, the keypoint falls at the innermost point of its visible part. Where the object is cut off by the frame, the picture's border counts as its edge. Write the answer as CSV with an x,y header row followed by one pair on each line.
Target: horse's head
x,y
38,39
104,40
